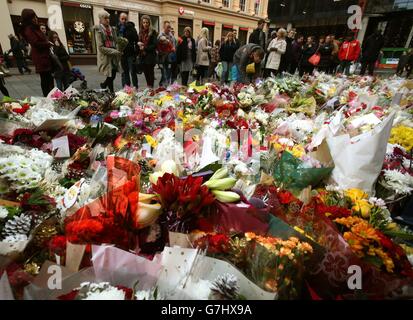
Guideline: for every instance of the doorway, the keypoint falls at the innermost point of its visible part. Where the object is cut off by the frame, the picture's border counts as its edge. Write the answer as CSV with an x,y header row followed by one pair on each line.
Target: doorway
x,y
182,24
242,36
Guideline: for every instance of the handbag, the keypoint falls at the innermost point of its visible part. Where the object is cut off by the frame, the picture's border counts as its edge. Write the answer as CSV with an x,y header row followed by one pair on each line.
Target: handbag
x,y
194,71
56,64
315,59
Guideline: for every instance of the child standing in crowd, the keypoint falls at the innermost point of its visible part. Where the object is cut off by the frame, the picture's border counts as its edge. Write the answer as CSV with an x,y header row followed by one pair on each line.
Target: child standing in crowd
x,y
215,58
247,63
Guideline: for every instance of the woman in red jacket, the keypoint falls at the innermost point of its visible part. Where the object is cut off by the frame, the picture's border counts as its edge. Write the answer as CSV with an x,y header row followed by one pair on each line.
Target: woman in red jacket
x,y
40,49
348,53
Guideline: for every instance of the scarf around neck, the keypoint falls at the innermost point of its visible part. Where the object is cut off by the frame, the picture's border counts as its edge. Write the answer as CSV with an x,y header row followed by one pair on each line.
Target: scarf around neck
x,y
108,36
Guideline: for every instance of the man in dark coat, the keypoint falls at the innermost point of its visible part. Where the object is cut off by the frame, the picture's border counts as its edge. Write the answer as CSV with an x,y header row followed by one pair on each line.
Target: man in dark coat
x,y
126,29
247,61
258,35
18,54
371,51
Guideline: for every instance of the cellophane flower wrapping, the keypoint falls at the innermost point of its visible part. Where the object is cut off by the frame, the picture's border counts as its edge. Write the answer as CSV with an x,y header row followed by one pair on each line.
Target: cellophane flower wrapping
x,y
111,218
291,173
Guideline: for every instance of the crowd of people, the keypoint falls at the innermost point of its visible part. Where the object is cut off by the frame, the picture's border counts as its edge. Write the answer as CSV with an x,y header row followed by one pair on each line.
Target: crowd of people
x,y
122,49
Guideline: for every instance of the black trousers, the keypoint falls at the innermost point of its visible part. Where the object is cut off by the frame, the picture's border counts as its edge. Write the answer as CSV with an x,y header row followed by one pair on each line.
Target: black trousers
x,y
185,77
369,65
293,67
46,82
308,69
148,70
108,83
3,88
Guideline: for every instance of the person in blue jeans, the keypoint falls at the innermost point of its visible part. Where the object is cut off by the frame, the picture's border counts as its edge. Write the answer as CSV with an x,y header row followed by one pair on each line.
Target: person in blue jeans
x,y
166,53
226,53
126,29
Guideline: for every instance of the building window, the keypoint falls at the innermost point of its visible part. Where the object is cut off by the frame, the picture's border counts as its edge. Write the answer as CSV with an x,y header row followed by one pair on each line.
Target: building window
x,y
78,22
206,1
225,3
257,7
242,5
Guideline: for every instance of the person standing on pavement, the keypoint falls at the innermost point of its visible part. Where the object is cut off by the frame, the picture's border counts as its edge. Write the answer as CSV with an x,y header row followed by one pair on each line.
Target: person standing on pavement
x,y
202,56
147,49
286,58
310,48
370,52
234,33
108,56
215,58
326,55
258,35
3,88
276,49
61,76
40,49
18,54
167,53
296,51
173,58
334,59
186,55
126,29
349,53
226,53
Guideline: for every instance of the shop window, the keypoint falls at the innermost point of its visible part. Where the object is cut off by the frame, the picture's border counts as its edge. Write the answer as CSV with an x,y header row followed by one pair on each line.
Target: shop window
x,y
182,24
114,16
78,22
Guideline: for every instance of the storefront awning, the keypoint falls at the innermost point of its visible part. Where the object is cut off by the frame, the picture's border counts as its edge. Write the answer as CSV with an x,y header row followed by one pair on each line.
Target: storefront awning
x,y
228,26
208,23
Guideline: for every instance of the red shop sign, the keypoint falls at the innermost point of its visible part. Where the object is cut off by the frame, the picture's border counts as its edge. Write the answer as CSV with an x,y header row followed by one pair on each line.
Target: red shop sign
x,y
208,23
181,10
227,26
243,29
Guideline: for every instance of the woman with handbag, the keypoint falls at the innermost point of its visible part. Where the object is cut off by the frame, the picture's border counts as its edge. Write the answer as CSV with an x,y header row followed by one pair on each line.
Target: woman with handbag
x,y
186,55
62,76
40,49
108,56
147,50
202,56
309,49
276,49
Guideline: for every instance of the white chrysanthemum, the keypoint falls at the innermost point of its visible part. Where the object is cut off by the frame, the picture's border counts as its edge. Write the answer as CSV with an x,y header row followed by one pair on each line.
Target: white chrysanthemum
x,y
262,116
399,182
3,212
15,238
102,291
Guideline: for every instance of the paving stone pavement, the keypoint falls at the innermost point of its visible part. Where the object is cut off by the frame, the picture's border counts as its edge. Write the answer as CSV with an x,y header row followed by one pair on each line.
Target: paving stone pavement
x,y
21,86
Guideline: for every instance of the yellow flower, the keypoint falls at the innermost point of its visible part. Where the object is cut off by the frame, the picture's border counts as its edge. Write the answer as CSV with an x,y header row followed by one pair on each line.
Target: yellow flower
x,y
152,142
403,136
298,151
363,207
356,194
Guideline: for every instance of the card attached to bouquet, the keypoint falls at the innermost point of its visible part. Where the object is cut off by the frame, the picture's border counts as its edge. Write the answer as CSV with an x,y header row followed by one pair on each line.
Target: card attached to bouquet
x,y
52,124
72,194
368,119
60,147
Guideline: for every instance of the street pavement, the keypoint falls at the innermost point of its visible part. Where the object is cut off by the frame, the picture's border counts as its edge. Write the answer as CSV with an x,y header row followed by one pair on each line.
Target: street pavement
x,y
21,86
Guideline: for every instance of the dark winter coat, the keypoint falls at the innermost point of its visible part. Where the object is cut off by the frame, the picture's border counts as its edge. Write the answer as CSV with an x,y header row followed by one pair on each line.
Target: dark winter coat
x,y
296,51
64,57
306,53
227,51
16,48
326,51
258,37
148,55
129,32
182,50
40,47
372,47
242,58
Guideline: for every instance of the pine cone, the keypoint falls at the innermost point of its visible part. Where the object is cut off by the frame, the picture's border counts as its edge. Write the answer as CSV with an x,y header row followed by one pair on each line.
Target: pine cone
x,y
226,286
44,234
19,225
